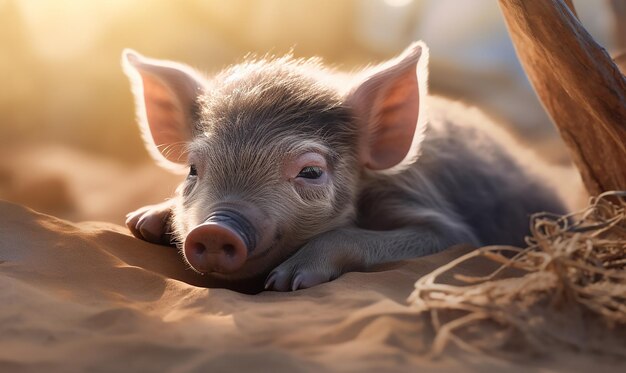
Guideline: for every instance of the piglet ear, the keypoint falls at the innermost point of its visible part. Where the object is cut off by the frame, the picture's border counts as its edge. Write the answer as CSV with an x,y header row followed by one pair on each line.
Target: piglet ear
x,y
389,104
166,96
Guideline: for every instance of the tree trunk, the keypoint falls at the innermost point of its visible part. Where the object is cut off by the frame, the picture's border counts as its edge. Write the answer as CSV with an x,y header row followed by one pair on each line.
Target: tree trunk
x,y
578,84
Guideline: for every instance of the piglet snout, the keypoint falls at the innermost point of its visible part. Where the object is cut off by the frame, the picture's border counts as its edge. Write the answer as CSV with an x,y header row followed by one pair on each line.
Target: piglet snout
x,y
211,247
221,244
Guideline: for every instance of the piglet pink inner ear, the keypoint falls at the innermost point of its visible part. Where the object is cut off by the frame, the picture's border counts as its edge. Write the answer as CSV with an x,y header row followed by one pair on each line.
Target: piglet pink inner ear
x,y
166,98
389,106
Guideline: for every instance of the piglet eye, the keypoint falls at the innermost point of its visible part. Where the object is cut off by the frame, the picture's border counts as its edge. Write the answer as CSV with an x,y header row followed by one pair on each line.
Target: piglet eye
x,y
311,172
193,171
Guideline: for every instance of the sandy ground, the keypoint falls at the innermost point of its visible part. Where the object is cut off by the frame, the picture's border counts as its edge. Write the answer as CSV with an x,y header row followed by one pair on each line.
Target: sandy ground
x,y
88,297
75,185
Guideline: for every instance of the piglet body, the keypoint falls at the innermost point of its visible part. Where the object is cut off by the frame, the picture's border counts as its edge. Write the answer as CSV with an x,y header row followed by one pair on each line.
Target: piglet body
x,y
294,175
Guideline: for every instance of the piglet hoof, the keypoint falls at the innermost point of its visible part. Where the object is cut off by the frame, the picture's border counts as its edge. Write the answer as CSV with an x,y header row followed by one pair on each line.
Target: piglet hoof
x,y
285,279
151,223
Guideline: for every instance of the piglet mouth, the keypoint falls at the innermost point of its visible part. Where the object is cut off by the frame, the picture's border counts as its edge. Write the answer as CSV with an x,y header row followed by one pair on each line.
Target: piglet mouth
x,y
222,243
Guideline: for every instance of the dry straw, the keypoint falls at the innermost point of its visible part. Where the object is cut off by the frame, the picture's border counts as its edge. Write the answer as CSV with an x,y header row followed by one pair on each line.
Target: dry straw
x,y
567,288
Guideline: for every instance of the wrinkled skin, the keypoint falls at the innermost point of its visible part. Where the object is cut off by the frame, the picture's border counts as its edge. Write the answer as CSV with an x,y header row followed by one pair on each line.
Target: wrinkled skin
x,y
295,177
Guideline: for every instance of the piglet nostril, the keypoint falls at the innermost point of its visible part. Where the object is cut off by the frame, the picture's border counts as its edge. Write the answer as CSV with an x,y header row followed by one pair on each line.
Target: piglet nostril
x,y
229,250
198,248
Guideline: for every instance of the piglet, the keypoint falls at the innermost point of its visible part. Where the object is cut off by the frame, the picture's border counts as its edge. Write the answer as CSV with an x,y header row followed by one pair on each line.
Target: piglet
x,y
300,174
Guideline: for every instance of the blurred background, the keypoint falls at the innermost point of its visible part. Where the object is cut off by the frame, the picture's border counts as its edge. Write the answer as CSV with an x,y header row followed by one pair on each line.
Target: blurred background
x,y
69,145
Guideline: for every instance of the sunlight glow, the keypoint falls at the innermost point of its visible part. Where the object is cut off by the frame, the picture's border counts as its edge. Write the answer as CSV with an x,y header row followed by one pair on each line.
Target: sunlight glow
x,y
60,28
398,3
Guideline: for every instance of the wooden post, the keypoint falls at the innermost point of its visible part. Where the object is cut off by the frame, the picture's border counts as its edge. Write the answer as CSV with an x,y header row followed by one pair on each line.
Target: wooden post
x,y
578,85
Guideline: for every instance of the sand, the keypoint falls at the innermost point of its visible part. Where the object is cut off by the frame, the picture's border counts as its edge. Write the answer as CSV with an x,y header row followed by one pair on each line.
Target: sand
x,y
89,297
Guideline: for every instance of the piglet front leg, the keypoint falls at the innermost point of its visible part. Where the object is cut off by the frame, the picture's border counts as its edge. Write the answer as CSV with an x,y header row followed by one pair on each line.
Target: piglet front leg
x,y
152,223
333,253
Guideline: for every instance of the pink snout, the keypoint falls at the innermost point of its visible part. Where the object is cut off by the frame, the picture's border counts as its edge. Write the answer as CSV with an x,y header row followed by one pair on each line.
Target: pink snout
x,y
215,247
